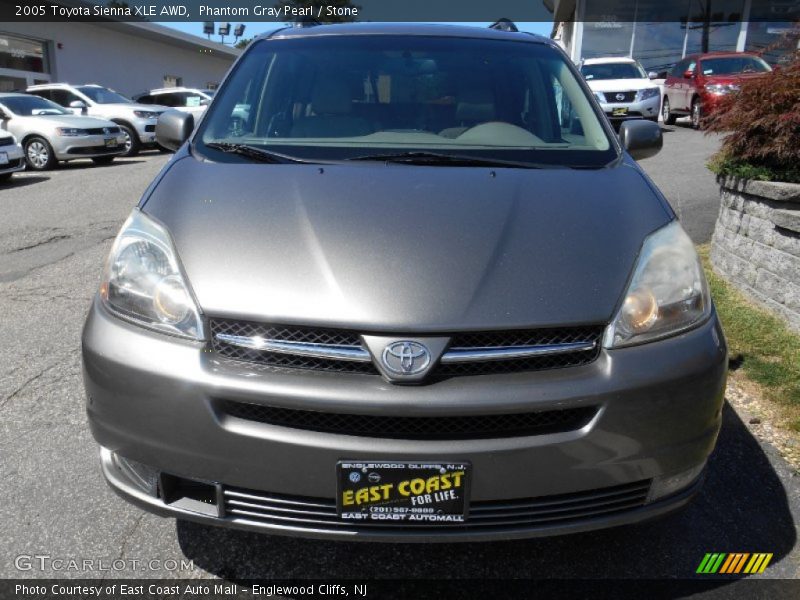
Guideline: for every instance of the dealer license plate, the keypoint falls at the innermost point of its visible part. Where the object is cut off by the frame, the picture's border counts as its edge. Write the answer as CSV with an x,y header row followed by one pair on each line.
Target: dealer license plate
x,y
111,142
619,112
396,493
3,158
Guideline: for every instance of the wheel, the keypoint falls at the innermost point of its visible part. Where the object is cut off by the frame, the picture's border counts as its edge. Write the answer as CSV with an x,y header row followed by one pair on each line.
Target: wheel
x,y
5,177
39,154
697,114
132,143
103,160
667,117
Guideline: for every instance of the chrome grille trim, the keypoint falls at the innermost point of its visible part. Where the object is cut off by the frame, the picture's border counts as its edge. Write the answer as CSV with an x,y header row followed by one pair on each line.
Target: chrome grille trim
x,y
460,355
359,354
483,352
305,349
313,513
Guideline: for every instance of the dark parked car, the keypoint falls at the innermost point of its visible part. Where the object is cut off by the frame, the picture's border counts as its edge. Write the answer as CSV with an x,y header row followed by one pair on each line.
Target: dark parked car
x,y
696,84
418,290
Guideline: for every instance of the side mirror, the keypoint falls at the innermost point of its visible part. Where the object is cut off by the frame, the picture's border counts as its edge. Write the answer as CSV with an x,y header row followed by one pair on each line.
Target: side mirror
x,y
173,128
78,105
652,75
642,139
688,74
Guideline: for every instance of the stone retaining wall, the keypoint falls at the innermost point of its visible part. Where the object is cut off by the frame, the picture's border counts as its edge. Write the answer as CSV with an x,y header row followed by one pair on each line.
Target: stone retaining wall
x,y
756,243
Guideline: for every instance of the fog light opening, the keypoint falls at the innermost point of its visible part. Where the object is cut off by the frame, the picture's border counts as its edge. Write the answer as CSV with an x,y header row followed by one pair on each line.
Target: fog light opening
x,y
191,495
670,484
144,477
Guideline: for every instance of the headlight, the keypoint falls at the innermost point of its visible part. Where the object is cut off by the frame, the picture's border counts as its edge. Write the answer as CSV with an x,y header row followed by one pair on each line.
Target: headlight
x,y
145,114
668,292
721,88
143,281
599,97
70,131
648,93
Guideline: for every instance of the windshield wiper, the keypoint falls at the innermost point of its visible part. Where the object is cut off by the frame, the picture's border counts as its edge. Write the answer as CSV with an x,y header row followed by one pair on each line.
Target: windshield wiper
x,y
439,158
258,154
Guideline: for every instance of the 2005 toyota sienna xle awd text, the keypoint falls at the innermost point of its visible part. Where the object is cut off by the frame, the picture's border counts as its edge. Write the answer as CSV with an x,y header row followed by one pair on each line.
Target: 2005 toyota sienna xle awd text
x,y
404,283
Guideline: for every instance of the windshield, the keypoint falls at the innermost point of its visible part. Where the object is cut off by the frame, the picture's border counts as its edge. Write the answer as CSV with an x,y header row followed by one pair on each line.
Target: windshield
x,y
333,97
102,95
733,65
613,71
26,106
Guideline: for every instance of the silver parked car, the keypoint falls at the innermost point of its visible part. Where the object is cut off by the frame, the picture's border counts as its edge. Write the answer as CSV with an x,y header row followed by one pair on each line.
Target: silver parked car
x,y
48,133
137,121
623,88
400,300
12,158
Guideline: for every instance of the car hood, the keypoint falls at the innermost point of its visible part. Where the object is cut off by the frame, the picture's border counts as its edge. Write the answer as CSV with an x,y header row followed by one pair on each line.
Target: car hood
x,y
130,107
620,85
70,121
727,79
406,248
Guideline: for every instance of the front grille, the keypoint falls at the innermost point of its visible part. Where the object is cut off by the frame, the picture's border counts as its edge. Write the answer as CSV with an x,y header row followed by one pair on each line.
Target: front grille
x,y
287,334
542,511
535,337
612,96
103,131
6,141
485,339
81,150
12,164
451,427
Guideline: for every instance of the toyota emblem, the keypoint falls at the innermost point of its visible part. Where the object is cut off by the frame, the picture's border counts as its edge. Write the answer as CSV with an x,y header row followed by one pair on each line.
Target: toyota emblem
x,y
406,358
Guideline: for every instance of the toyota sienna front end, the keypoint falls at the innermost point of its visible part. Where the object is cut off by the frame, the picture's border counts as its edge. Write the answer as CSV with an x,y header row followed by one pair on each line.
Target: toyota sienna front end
x,y
404,283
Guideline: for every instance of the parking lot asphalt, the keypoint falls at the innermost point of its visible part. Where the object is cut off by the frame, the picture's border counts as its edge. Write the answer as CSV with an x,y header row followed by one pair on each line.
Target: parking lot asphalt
x,y
55,229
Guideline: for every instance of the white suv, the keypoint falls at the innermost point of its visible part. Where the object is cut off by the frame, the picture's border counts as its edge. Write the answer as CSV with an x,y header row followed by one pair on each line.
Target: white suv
x,y
189,100
623,88
137,121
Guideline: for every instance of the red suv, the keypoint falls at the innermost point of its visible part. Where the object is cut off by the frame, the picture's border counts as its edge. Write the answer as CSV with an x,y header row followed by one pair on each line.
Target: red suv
x,y
698,82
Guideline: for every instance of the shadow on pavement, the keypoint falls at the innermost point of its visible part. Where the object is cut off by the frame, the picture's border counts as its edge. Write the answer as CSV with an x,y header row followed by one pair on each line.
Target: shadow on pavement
x,y
743,507
88,164
17,182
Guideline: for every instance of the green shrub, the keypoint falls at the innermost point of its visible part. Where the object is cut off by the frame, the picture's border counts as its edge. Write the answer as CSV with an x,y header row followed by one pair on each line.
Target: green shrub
x,y
762,123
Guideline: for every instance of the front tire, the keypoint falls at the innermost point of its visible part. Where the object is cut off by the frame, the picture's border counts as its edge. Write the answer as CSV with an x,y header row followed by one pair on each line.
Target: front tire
x,y
103,160
666,116
697,114
39,154
132,143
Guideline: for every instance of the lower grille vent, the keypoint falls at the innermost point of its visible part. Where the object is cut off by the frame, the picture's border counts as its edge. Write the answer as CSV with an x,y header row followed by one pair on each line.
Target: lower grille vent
x,y
416,428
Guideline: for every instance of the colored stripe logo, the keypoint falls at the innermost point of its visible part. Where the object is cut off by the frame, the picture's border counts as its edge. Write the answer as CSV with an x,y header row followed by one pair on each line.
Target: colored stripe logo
x,y
733,563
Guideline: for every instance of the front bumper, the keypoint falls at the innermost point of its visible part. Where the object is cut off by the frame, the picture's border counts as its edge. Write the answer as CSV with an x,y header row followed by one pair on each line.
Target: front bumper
x,y
644,109
145,129
89,146
15,159
153,399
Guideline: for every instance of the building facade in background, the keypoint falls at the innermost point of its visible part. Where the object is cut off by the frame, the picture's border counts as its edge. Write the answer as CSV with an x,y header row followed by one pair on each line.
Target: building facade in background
x,y
128,57
659,33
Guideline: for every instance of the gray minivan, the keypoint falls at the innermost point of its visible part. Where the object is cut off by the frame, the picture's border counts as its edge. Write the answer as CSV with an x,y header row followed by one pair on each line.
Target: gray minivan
x,y
404,282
